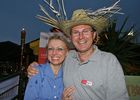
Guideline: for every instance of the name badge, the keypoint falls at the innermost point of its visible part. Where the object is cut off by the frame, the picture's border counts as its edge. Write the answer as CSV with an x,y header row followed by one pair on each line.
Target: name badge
x,y
86,82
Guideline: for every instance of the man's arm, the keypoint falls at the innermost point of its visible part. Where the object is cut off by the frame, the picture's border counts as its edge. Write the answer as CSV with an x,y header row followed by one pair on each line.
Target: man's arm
x,y
116,87
31,70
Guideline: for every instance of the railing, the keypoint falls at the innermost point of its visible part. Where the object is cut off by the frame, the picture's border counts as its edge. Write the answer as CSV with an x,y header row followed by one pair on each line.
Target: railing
x,y
133,86
9,87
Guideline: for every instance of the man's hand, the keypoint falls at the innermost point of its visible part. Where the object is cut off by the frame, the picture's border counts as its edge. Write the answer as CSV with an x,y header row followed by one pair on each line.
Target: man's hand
x,y
31,70
67,93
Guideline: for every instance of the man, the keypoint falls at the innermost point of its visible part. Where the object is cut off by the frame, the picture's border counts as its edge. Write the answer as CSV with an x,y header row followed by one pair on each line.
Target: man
x,y
95,74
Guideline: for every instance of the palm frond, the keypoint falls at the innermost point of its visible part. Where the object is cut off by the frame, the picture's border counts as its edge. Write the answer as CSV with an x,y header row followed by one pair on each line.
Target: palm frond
x,y
120,43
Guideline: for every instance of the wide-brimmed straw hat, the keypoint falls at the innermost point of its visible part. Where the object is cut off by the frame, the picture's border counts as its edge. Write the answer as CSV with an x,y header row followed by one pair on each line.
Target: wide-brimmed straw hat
x,y
97,19
80,17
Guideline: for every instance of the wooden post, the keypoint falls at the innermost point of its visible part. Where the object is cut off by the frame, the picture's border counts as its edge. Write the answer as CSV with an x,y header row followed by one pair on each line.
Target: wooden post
x,y
22,67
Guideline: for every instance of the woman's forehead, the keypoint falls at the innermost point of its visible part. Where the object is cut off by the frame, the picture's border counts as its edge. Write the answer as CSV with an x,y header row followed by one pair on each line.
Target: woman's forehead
x,y
56,42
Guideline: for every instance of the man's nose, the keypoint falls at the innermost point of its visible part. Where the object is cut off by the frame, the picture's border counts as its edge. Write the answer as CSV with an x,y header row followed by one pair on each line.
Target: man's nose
x,y
81,35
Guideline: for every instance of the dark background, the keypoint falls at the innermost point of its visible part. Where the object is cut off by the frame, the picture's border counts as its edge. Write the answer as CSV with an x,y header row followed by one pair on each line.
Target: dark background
x,y
16,14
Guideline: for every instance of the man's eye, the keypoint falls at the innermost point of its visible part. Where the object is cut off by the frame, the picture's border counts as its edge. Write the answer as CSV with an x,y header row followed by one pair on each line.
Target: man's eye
x,y
75,33
86,31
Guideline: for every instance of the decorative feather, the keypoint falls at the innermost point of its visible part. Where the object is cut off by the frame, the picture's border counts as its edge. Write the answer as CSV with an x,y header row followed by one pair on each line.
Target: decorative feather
x,y
46,20
64,11
46,13
52,8
60,13
108,12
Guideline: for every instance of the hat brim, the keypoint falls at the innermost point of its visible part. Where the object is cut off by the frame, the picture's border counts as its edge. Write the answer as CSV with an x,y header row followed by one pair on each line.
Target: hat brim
x,y
99,23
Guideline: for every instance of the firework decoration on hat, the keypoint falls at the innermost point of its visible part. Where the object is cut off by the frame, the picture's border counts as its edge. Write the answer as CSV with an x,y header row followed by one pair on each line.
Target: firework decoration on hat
x,y
98,19
60,13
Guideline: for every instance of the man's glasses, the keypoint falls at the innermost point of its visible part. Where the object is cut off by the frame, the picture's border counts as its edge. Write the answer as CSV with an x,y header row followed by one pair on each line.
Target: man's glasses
x,y
84,32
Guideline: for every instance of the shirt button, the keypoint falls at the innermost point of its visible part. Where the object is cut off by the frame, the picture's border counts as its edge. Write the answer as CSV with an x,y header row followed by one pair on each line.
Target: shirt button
x,y
54,86
55,97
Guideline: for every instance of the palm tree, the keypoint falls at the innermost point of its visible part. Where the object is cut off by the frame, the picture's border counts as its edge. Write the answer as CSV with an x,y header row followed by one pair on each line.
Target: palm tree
x,y
121,44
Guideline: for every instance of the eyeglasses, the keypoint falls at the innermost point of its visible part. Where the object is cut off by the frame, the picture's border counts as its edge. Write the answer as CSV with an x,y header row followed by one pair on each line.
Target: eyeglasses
x,y
84,32
60,49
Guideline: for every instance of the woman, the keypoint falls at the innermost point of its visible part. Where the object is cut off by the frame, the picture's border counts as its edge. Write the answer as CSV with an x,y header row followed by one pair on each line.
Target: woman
x,y
48,83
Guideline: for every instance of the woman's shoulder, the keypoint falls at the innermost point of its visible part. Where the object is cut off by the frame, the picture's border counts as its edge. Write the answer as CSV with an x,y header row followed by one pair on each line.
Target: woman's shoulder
x,y
41,67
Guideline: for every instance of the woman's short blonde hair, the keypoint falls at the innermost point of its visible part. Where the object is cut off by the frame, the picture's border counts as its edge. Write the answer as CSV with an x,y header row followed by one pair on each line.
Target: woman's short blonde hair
x,y
57,36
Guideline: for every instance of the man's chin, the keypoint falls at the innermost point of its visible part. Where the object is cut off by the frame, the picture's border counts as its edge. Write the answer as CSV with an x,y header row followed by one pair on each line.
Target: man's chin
x,y
82,50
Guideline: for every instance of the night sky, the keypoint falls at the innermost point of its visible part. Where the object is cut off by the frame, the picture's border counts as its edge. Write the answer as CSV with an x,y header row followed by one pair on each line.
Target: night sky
x,y
16,14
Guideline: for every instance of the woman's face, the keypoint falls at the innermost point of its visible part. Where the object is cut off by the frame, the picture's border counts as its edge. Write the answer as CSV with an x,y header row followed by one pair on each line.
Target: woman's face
x,y
56,51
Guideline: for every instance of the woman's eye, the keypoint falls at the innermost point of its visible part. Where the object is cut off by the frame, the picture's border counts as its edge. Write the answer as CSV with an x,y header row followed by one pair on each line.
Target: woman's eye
x,y
50,49
60,49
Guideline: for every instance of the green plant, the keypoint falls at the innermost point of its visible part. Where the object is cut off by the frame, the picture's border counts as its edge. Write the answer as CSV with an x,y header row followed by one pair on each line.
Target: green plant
x,y
121,44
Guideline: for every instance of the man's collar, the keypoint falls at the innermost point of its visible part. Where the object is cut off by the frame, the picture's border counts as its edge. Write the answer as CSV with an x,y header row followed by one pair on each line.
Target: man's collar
x,y
93,56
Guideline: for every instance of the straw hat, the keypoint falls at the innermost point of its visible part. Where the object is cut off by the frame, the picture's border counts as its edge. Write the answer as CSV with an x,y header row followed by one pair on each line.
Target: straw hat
x,y
97,19
80,17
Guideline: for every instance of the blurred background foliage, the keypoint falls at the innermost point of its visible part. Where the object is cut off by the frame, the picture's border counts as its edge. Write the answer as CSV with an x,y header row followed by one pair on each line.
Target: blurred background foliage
x,y
121,42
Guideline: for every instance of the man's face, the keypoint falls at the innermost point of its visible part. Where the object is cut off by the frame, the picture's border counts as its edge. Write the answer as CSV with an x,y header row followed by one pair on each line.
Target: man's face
x,y
82,37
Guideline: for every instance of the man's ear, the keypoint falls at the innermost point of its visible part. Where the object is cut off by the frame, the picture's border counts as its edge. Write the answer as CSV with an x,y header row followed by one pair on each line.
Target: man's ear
x,y
95,35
